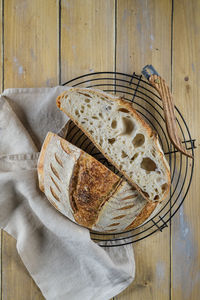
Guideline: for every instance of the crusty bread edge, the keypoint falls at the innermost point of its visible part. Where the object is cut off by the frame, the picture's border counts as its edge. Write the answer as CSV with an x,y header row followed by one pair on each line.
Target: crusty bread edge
x,y
135,115
141,218
40,164
143,215
40,168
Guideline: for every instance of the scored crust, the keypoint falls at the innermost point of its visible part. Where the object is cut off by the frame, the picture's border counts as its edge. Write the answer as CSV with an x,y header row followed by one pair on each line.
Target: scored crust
x,y
144,215
91,186
40,165
134,113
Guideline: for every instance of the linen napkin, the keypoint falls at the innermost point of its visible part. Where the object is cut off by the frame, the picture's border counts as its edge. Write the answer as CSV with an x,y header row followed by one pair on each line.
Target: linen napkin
x,y
59,254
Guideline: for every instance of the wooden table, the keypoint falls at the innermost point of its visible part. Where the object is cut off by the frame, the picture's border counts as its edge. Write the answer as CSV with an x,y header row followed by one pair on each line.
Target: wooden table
x,y
47,42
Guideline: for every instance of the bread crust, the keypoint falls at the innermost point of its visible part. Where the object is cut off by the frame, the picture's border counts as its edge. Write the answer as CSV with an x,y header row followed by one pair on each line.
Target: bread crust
x,y
134,113
144,215
91,186
40,164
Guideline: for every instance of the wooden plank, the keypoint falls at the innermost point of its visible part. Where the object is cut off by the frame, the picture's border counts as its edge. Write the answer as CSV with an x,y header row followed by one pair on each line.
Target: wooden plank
x,y
87,37
186,224
30,60
1,79
144,37
1,41
31,52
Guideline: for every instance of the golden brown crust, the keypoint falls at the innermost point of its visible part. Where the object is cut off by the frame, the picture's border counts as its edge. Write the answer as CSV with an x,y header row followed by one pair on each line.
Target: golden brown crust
x,y
53,203
58,99
40,164
144,215
92,184
134,113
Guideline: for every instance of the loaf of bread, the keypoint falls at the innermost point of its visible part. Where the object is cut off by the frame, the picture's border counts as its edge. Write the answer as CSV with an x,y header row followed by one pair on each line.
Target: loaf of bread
x,y
87,192
123,137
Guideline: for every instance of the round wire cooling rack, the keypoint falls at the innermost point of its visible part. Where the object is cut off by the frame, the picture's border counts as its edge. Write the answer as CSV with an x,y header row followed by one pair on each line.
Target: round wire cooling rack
x,y
139,92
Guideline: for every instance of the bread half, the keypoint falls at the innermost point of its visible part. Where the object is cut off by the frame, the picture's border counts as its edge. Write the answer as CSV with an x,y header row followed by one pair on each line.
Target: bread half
x,y
123,137
86,191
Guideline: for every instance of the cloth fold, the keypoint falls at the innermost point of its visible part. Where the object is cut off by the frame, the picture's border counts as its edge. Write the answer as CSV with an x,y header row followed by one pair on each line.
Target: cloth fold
x,y
59,254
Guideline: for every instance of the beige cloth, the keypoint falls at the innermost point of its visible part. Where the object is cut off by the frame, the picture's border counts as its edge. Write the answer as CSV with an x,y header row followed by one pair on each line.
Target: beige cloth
x,y
58,254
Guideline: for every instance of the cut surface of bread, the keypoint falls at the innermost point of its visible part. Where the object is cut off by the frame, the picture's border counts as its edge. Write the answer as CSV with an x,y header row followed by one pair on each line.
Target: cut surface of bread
x,y
86,191
124,138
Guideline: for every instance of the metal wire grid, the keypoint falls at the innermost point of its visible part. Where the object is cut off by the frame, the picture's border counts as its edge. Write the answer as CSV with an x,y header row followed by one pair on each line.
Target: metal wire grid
x,y
138,91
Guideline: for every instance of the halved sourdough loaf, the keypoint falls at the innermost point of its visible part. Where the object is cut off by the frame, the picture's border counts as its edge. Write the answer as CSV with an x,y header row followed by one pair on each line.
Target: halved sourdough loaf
x,y
86,191
124,138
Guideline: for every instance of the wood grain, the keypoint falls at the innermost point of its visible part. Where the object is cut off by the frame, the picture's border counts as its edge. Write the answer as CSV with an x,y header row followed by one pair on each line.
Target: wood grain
x,y
143,37
169,112
87,37
186,82
1,47
30,60
31,52
90,34
1,79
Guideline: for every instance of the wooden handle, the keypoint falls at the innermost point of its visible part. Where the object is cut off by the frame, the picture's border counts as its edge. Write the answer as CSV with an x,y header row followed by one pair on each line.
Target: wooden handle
x,y
168,106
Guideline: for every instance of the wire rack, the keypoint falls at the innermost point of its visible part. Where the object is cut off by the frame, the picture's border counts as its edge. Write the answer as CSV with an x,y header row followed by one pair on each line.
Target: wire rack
x,y
135,89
